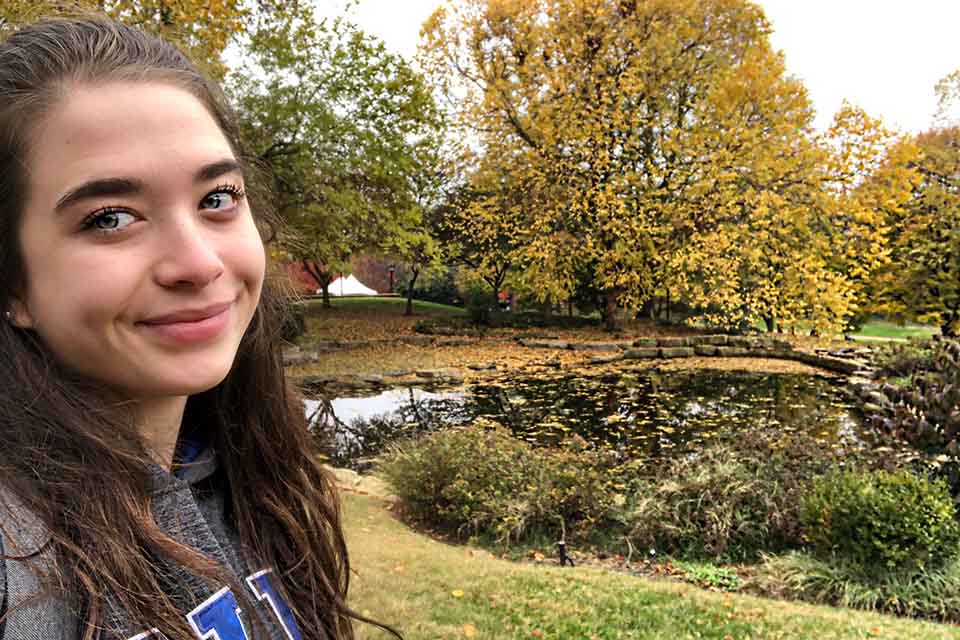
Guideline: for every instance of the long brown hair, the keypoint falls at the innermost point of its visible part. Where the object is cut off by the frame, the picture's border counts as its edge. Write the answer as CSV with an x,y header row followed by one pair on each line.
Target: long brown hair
x,y
53,425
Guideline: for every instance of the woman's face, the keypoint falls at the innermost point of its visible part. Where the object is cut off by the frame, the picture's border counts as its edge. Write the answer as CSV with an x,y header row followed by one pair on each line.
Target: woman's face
x,y
143,263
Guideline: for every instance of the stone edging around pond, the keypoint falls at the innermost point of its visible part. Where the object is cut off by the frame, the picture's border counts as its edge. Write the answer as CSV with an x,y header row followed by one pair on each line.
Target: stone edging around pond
x,y
723,346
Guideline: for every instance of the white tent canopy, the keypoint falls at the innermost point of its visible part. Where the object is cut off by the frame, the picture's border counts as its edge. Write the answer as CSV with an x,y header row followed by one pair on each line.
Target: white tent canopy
x,y
349,286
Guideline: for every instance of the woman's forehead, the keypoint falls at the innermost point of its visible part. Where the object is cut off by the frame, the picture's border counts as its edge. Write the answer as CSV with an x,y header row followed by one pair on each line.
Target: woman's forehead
x,y
145,129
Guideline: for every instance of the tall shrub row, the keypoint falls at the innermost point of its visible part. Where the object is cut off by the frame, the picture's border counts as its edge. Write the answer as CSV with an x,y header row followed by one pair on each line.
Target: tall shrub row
x,y
846,531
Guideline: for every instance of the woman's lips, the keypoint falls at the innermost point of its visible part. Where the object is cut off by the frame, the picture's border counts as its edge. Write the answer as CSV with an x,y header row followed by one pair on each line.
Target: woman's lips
x,y
194,325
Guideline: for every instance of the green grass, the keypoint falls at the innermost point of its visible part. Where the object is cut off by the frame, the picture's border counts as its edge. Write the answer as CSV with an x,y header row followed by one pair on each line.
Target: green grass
x,y
891,330
430,590
385,305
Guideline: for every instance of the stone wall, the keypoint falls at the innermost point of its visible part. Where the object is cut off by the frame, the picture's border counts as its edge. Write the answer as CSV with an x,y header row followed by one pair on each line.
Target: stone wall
x,y
721,346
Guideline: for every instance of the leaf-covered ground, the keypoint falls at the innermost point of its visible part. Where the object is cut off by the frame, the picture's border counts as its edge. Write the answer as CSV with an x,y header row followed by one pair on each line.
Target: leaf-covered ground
x,y
382,319
430,590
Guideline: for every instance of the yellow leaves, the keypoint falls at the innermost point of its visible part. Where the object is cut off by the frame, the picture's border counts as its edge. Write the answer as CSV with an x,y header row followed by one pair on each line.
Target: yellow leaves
x,y
457,593
689,169
469,631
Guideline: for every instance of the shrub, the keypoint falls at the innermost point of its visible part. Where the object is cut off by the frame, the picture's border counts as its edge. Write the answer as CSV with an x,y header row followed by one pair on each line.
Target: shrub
x,y
293,322
480,480
905,359
439,286
709,576
478,306
877,522
925,411
730,500
934,593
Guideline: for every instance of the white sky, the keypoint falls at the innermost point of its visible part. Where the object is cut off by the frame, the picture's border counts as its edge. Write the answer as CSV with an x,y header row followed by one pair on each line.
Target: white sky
x,y
883,55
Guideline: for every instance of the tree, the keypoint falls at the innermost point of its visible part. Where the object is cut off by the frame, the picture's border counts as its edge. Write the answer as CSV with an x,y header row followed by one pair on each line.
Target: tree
x,y
633,125
343,127
926,265
415,244
948,95
482,222
869,180
202,27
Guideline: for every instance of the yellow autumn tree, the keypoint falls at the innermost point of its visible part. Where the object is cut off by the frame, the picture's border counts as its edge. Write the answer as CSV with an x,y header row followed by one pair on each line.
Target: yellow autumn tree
x,y
203,27
650,132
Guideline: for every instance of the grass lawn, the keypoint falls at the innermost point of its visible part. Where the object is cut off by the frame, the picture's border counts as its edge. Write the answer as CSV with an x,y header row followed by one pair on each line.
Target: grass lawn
x,y
392,305
368,318
429,590
890,330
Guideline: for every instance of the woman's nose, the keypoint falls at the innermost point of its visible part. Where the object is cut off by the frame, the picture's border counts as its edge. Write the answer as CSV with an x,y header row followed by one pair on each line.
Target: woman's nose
x,y
189,256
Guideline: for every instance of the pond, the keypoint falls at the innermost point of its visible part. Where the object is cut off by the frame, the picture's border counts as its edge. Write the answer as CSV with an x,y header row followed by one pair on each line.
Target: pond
x,y
636,414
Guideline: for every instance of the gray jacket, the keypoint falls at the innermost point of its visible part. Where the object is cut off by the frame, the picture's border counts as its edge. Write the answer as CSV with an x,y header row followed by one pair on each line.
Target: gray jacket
x,y
192,509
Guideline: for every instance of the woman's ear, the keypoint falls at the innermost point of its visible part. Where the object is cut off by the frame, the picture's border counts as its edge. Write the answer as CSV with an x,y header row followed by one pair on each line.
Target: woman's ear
x,y
18,315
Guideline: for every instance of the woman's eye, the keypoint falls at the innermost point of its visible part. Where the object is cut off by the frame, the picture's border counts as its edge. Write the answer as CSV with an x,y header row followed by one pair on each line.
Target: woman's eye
x,y
109,221
221,199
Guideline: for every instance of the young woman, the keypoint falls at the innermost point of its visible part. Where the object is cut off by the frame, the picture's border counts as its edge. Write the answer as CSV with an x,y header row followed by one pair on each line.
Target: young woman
x,y
156,477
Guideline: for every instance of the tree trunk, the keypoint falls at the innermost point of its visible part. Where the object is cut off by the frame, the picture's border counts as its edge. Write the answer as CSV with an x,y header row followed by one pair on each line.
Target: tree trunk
x,y
569,308
413,281
322,278
771,324
948,326
609,310
326,294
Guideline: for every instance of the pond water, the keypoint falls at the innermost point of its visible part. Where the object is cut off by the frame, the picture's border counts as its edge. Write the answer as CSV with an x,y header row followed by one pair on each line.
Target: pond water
x,y
637,414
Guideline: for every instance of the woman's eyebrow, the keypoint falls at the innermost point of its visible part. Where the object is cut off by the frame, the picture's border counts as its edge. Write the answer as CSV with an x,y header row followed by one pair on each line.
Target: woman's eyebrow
x,y
97,188
217,169
127,186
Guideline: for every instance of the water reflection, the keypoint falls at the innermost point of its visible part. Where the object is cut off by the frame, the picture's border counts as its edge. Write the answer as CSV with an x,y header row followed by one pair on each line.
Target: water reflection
x,y
353,429
650,413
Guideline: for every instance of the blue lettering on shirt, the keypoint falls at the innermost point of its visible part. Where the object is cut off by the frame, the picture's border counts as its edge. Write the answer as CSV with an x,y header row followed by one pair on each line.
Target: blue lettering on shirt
x,y
218,617
263,589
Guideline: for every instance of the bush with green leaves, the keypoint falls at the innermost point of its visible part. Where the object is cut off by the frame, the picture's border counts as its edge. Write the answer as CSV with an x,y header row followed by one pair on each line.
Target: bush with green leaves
x,y
480,480
730,500
879,522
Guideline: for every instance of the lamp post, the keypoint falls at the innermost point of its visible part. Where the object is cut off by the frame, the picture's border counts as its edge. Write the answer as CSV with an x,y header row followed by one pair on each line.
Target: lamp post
x,y
391,274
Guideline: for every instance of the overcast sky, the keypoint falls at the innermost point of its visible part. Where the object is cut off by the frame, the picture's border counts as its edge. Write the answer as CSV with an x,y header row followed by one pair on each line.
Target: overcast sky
x,y
883,55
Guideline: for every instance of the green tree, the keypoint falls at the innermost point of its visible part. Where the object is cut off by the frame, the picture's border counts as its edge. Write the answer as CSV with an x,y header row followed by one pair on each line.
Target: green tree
x,y
925,273
344,128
